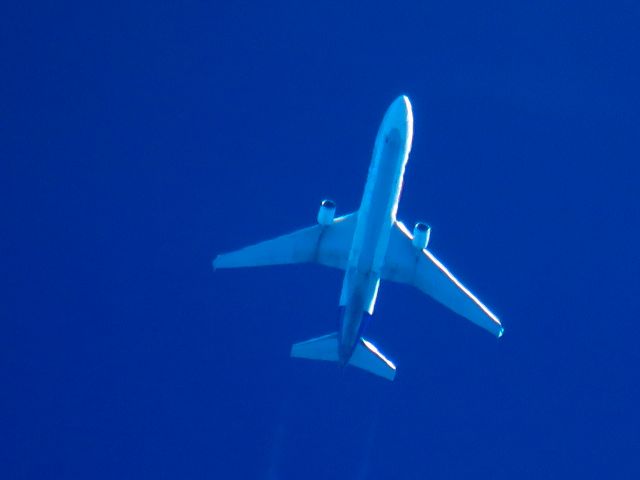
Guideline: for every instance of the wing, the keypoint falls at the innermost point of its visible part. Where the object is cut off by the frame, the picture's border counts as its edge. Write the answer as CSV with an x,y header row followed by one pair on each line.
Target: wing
x,y
327,245
406,264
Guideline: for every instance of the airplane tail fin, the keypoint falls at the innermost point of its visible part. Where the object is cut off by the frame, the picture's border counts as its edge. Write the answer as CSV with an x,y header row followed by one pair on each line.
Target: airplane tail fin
x,y
365,356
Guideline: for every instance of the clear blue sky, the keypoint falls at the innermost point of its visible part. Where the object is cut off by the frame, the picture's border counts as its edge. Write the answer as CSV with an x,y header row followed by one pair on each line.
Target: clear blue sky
x,y
140,139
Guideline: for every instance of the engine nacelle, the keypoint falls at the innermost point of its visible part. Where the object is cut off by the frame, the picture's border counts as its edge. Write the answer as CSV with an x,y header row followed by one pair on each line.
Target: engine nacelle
x,y
327,212
421,235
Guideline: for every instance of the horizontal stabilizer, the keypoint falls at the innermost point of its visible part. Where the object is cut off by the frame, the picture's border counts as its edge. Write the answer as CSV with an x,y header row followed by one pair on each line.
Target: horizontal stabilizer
x,y
320,348
367,357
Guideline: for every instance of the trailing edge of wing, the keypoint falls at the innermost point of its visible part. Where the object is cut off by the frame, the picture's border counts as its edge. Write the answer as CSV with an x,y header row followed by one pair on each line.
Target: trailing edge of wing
x,y
326,245
406,264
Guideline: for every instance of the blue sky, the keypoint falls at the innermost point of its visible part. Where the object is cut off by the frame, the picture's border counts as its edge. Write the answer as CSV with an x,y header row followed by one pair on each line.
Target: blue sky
x,y
140,139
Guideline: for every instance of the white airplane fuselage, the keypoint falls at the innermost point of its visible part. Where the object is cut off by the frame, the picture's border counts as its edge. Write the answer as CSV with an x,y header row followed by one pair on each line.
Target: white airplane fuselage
x,y
376,218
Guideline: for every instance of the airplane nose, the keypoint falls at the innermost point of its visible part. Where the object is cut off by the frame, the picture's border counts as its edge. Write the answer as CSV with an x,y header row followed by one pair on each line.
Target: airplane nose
x,y
403,102
400,111
400,117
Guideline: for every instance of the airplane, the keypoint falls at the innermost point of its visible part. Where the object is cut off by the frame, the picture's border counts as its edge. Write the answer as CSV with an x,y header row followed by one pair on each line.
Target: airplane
x,y
369,245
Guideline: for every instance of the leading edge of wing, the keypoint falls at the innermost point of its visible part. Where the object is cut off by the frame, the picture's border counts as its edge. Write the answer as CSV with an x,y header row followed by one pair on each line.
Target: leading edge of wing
x,y
420,268
500,331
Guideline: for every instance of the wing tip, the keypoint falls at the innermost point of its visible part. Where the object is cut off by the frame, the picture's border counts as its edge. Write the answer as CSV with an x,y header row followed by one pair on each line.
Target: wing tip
x,y
500,332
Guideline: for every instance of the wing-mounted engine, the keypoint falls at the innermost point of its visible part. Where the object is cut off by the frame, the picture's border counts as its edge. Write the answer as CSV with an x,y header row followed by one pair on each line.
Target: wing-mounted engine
x,y
327,212
421,235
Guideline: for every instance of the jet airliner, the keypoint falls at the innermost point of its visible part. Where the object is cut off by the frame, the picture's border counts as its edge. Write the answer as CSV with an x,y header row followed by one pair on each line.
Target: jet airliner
x,y
369,245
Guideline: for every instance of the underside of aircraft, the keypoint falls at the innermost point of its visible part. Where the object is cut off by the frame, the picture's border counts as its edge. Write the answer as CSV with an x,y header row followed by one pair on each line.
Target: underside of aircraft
x,y
369,245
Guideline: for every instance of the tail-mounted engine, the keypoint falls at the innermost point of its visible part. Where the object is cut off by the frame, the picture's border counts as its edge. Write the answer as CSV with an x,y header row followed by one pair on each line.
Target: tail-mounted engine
x,y
327,212
421,235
